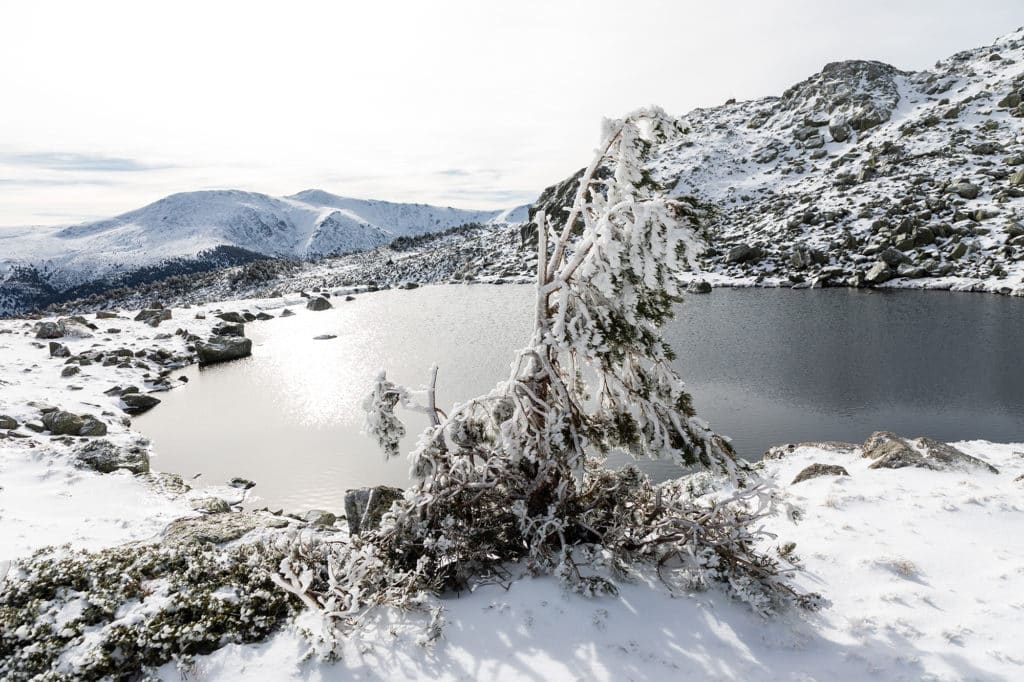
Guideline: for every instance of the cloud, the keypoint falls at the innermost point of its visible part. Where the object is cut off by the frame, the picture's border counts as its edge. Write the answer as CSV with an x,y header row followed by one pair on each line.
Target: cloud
x,y
70,161
52,182
509,197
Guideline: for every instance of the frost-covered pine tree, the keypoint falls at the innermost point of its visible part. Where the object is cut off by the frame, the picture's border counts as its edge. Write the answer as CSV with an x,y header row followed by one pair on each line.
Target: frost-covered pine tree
x,y
517,475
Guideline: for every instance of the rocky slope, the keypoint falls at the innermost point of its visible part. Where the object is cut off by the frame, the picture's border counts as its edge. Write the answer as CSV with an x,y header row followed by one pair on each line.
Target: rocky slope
x,y
862,175
198,231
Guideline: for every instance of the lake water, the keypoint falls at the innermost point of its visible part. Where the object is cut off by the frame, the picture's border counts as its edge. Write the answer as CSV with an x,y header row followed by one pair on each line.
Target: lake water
x,y
764,367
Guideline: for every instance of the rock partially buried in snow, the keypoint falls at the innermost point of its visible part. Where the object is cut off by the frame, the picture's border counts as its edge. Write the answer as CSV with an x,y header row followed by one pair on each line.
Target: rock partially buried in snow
x,y
319,303
815,470
7,422
325,337
223,349
364,507
105,457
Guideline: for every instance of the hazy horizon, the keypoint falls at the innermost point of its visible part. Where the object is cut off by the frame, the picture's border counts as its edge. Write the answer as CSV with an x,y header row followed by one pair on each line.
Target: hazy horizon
x,y
453,103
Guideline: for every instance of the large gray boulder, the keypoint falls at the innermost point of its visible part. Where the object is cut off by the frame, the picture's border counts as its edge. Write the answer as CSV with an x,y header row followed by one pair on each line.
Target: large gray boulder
x,y
7,422
949,457
105,457
153,317
49,330
318,303
215,528
364,507
63,423
878,273
892,452
137,403
699,286
223,349
744,253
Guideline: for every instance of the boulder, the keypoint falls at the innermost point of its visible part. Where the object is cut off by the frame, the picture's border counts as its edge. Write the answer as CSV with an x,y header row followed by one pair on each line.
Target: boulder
x,y
137,403
8,422
105,315
364,507
70,371
153,316
1017,179
49,330
210,505
892,452
878,273
232,317
229,329
948,457
105,457
325,337
59,350
211,528
839,131
699,286
319,517
62,423
223,349
91,426
892,257
287,312
817,469
744,253
958,251
965,190
318,303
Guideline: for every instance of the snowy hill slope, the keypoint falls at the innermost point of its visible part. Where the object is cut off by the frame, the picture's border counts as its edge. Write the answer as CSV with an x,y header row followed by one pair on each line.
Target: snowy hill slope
x,y
861,175
196,231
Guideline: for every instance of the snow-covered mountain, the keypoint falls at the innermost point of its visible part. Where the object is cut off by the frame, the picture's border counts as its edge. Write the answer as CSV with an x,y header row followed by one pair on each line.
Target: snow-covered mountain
x,y
195,231
861,175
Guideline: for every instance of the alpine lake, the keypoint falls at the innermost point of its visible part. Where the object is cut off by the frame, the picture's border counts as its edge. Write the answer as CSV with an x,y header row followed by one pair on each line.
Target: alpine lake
x,y
764,367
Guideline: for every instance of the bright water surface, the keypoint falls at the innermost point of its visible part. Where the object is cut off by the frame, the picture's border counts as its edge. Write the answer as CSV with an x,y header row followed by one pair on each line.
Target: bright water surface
x,y
764,367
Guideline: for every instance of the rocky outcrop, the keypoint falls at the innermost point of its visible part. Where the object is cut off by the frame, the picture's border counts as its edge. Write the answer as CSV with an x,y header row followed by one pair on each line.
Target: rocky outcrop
x,y
891,451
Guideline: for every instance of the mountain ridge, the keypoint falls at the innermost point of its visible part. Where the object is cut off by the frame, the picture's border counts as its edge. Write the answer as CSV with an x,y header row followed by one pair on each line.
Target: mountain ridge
x,y
192,232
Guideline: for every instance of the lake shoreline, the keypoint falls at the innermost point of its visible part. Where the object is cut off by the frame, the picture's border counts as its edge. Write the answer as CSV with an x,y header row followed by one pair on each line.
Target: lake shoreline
x,y
47,499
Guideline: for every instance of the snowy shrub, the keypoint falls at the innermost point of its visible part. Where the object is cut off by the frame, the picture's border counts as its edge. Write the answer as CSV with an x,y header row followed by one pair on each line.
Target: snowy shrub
x,y
67,615
517,475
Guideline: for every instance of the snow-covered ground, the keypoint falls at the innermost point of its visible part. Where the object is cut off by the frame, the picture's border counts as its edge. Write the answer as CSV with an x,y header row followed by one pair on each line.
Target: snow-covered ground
x,y
924,569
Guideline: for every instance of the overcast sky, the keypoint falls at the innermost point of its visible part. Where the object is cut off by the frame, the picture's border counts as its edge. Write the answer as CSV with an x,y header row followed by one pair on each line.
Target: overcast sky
x,y
105,106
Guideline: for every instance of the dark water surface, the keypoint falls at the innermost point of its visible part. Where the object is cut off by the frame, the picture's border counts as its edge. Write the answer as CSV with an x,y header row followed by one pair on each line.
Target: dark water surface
x,y
764,367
